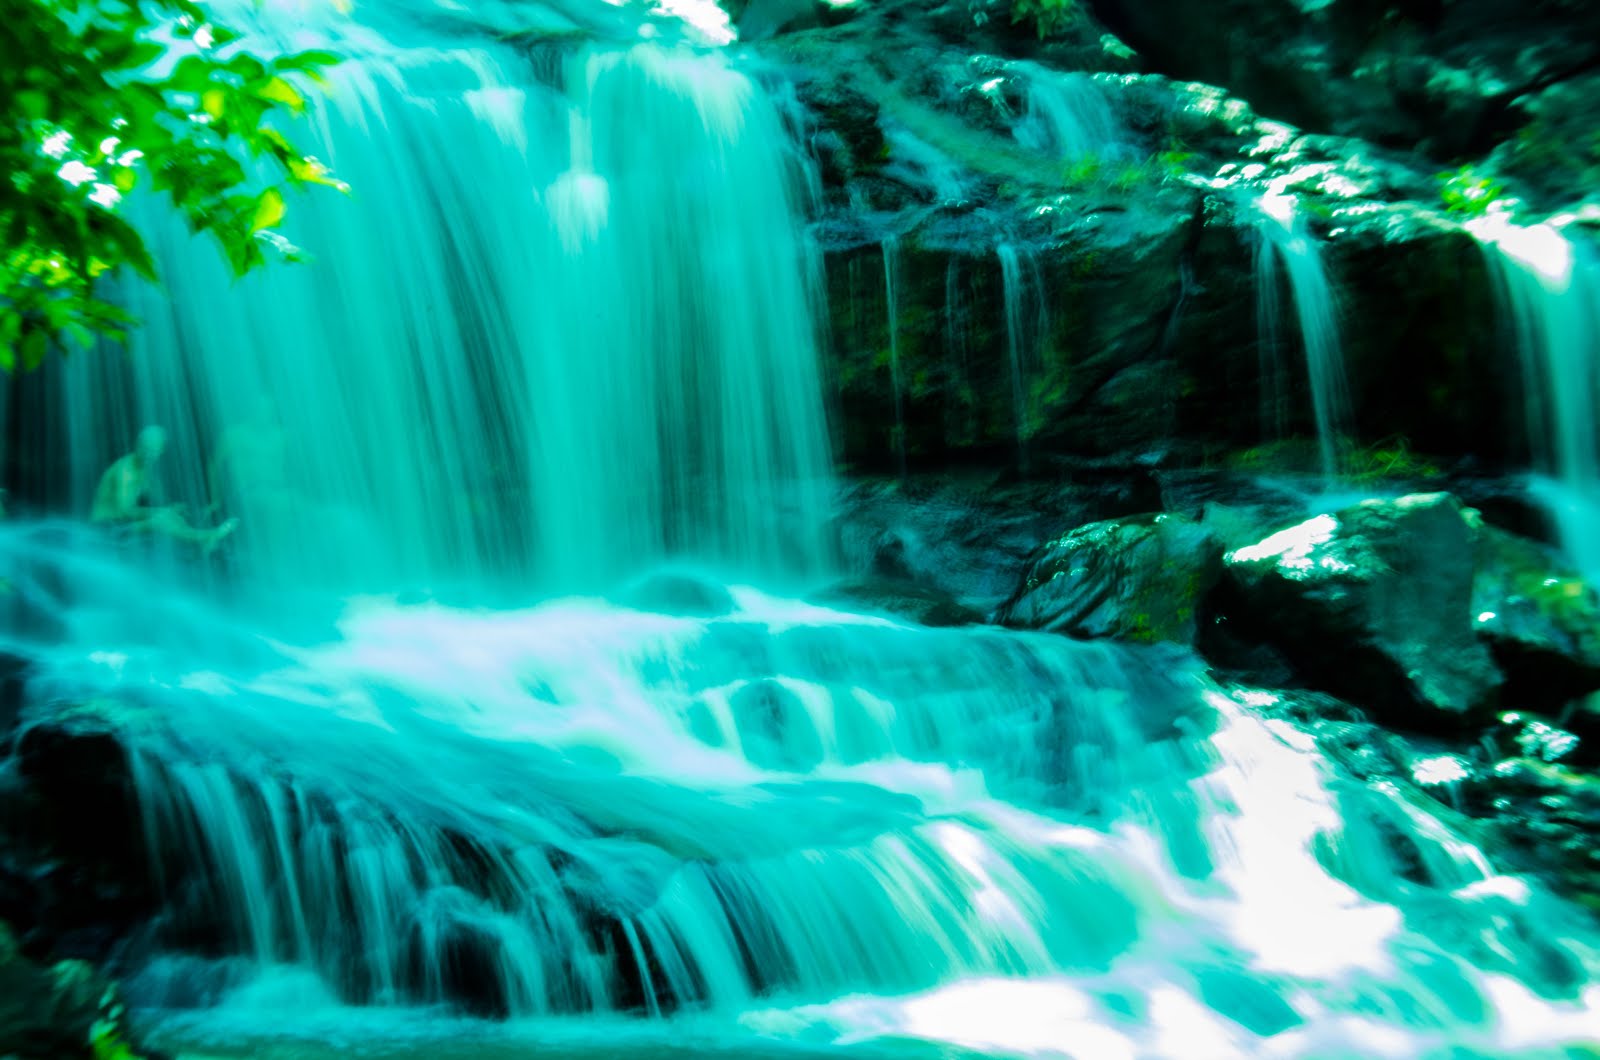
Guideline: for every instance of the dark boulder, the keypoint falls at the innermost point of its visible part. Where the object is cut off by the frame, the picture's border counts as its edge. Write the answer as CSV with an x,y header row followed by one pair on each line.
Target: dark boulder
x,y
1373,603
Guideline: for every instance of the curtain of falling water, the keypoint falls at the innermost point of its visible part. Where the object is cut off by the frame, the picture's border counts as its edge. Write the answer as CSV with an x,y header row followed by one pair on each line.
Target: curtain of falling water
x,y
555,328
1285,237
1550,288
1019,352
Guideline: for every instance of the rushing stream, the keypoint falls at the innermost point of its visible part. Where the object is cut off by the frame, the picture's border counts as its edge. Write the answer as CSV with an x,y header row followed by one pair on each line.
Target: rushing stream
x,y
439,770
767,821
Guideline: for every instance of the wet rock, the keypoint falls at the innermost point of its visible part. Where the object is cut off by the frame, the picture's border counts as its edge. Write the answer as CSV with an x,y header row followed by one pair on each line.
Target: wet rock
x,y
775,730
1521,733
1137,579
1539,617
902,598
1372,603
1543,816
677,593
75,871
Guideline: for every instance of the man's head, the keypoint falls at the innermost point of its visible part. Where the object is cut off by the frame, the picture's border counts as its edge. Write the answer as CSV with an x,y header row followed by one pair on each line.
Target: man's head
x,y
151,444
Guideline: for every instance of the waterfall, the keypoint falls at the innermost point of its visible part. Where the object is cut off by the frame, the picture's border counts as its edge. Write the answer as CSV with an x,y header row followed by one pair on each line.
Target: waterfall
x,y
562,325
1549,286
780,820
562,329
1284,238
891,303
1066,115
1021,351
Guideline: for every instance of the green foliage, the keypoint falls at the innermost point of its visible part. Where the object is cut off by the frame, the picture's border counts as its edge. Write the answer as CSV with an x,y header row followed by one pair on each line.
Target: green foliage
x,y
1047,16
1391,458
106,1040
1122,177
101,96
1466,191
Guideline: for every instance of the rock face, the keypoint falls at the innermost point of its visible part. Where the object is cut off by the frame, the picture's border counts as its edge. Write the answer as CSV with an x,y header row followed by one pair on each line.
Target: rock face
x,y
1142,579
1443,76
1003,295
1372,603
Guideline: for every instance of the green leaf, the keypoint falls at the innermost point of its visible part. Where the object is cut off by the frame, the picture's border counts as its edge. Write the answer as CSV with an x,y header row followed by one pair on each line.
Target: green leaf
x,y
310,171
143,54
280,91
192,74
35,344
214,101
305,62
269,210
32,105
129,246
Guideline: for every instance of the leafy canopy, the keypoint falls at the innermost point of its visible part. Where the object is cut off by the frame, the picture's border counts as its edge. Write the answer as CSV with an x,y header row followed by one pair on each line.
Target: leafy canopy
x,y
100,96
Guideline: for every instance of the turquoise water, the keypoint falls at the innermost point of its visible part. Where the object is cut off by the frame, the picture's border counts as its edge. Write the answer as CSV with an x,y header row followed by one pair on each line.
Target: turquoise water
x,y
1549,287
772,822
426,769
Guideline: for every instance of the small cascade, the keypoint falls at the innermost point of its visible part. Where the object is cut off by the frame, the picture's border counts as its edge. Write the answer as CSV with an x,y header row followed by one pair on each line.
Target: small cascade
x,y
563,325
1269,340
570,809
1022,335
1285,240
891,303
1067,116
920,165
1549,286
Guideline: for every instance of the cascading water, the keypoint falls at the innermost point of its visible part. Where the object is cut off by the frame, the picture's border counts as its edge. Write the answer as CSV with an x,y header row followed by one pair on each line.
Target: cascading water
x,y
559,328
1067,116
1283,237
562,328
1550,288
1009,842
1269,339
891,303
1021,334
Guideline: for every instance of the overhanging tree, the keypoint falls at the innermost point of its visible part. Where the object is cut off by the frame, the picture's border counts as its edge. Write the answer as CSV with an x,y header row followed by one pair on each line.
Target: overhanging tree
x,y
102,96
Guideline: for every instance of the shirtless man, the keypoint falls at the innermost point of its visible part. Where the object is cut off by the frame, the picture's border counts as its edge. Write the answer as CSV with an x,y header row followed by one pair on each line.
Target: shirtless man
x,y
119,499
